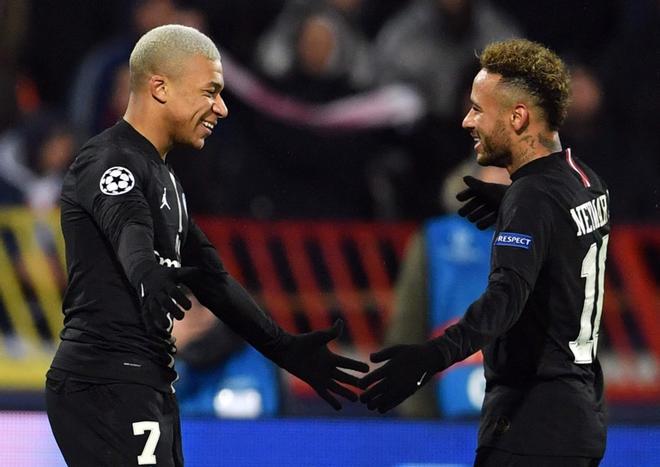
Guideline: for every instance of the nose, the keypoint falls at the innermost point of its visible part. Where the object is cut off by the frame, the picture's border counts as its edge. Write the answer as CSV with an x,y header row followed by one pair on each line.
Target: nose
x,y
468,120
220,108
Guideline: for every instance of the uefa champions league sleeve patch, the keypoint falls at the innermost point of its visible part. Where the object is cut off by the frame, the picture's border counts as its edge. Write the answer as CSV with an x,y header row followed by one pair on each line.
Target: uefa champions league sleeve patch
x,y
116,181
516,240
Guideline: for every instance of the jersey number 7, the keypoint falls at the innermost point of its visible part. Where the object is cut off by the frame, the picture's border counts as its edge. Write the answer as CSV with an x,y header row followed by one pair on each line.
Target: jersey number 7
x,y
139,428
593,266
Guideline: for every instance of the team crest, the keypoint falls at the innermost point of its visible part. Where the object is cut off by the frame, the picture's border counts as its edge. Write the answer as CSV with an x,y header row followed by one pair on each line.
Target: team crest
x,y
117,181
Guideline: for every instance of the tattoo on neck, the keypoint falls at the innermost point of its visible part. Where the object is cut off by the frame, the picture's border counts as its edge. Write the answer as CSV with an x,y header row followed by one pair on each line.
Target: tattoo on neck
x,y
529,139
549,143
525,156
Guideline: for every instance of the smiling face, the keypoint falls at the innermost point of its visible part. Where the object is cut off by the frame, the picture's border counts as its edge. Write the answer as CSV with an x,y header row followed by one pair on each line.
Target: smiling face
x,y
487,121
194,104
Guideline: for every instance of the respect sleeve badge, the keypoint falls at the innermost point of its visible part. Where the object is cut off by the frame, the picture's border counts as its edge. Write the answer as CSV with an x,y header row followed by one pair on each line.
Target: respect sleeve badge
x,y
513,239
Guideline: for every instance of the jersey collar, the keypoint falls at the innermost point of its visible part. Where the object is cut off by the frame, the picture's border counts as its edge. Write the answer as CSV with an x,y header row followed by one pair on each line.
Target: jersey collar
x,y
135,137
538,165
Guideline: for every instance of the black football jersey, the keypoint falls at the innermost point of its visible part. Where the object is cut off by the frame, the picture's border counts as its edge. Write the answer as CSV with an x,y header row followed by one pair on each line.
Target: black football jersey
x,y
544,392
539,319
122,209
117,180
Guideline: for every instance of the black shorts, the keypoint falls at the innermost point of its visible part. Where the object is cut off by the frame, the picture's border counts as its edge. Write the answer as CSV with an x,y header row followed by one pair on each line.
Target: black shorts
x,y
112,423
490,457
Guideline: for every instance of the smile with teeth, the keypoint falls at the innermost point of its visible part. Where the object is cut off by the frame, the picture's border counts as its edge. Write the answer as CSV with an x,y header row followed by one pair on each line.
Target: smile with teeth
x,y
208,125
477,141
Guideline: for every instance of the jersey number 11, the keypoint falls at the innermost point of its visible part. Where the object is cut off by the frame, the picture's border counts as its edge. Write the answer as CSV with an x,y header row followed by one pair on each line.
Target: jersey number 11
x,y
593,266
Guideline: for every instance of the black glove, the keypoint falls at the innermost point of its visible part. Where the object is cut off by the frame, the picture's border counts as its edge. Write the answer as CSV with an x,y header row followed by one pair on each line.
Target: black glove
x,y
307,356
485,199
160,294
408,369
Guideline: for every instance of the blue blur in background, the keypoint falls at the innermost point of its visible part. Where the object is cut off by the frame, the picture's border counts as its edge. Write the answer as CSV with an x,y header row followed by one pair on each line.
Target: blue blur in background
x,y
371,443
26,441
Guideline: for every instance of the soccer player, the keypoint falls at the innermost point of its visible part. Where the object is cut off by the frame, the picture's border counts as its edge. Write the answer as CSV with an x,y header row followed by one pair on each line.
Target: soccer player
x,y
538,320
130,242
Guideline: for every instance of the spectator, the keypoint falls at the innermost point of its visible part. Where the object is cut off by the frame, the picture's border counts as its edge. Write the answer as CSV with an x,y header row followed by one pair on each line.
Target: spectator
x,y
316,42
431,44
33,159
315,53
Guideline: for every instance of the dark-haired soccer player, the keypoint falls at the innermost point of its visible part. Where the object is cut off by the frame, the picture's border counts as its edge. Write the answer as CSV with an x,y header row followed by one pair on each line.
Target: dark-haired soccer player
x,y
129,243
539,318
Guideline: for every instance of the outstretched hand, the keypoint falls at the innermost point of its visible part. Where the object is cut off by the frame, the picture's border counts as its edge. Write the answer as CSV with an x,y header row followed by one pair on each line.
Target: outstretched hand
x,y
307,356
484,201
408,368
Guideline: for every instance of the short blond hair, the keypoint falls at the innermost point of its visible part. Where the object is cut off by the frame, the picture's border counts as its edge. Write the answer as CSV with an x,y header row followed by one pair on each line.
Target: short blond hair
x,y
162,50
536,70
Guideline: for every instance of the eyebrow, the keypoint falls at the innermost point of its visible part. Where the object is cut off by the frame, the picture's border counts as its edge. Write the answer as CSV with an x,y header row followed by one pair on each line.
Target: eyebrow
x,y
217,86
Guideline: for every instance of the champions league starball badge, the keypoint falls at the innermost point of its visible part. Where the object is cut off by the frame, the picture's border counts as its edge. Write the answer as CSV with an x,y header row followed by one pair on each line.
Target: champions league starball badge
x,y
117,181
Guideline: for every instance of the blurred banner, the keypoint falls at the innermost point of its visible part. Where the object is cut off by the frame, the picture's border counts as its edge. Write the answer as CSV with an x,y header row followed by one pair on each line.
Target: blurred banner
x,y
391,105
31,286
307,274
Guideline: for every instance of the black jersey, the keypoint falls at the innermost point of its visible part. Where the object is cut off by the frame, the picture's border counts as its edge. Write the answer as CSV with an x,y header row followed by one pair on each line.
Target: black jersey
x,y
118,180
122,209
538,321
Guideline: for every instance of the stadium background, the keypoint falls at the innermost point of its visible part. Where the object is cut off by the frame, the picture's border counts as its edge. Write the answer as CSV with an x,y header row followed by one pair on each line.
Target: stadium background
x,y
333,155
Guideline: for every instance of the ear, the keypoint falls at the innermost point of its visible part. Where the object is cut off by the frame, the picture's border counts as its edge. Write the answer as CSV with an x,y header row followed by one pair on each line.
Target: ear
x,y
158,88
519,118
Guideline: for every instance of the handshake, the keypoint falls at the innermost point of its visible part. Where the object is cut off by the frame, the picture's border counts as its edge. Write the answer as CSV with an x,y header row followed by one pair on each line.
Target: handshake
x,y
406,368
306,356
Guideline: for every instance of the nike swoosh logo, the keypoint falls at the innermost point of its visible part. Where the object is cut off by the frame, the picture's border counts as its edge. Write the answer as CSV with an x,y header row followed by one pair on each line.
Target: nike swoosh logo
x,y
421,380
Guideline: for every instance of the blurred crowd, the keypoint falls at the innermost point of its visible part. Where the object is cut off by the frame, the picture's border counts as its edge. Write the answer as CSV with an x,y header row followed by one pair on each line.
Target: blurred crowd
x,y
338,108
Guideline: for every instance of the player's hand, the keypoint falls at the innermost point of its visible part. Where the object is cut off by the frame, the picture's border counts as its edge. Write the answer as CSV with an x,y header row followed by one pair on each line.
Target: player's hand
x,y
408,368
160,294
307,356
484,201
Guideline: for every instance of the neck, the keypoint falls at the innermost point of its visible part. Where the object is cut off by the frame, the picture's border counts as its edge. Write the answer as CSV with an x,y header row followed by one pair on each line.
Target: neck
x,y
147,123
533,145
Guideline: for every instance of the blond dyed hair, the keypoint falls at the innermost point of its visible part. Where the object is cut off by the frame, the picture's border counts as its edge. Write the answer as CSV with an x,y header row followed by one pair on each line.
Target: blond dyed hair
x,y
163,49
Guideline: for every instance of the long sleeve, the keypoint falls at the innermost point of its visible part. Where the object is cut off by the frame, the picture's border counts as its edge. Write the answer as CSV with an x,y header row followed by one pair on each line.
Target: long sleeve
x,y
520,247
217,290
110,187
495,312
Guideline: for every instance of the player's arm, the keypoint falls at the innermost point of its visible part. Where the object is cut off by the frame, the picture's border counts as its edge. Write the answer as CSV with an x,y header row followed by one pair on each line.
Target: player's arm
x,y
519,249
304,355
110,187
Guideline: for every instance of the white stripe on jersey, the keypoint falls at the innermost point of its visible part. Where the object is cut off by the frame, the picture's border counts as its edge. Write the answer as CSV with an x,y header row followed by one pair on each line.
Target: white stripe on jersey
x,y
569,159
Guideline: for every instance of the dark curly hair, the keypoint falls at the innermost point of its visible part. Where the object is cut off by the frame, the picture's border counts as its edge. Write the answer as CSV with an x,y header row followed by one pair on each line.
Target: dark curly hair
x,y
535,69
